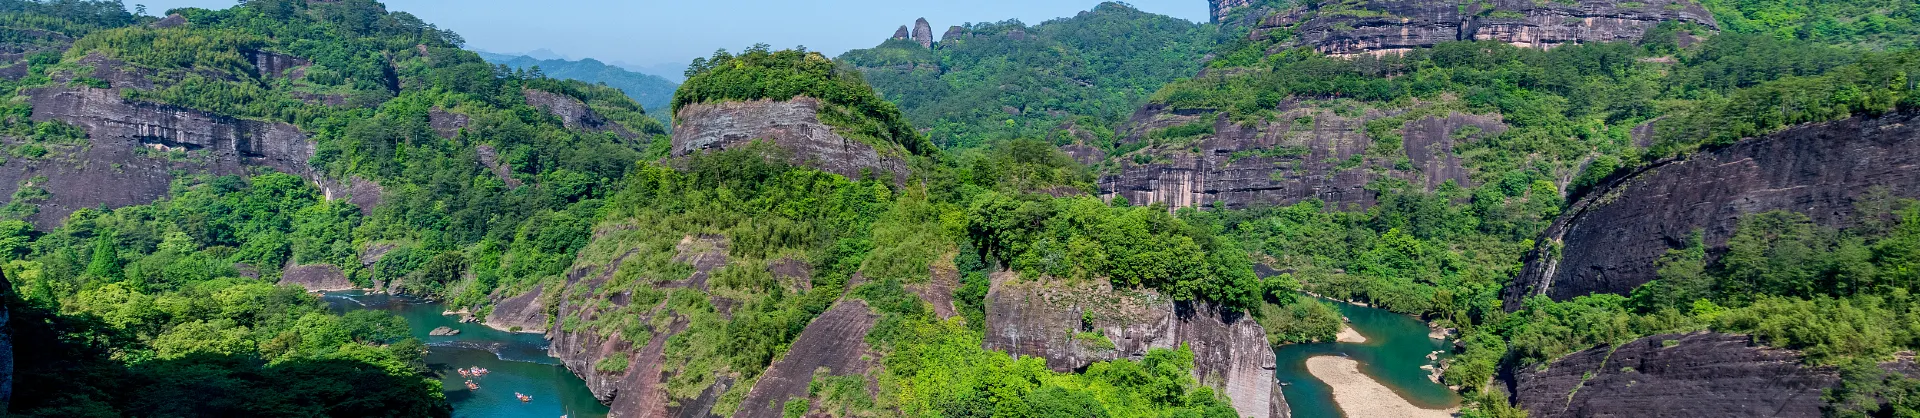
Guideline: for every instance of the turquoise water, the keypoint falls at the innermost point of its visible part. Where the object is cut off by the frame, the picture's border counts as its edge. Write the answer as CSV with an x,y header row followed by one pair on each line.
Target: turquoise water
x,y
1397,345
518,362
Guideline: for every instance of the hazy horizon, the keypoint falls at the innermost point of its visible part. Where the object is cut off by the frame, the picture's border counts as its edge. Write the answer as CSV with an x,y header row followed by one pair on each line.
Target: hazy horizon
x,y
658,36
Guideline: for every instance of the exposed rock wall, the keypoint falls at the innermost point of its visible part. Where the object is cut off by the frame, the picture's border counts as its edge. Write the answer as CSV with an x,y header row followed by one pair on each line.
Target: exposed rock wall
x,y
1219,9
836,340
1675,375
923,33
1610,240
124,161
793,125
1049,320
1384,26
316,277
637,391
1306,153
575,114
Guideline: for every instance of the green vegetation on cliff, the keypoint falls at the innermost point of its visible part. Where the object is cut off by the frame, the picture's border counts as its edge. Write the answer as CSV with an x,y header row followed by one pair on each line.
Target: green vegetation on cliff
x,y
761,74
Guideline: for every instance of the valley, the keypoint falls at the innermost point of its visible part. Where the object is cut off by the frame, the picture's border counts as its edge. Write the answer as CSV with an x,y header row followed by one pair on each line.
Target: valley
x,y
1325,208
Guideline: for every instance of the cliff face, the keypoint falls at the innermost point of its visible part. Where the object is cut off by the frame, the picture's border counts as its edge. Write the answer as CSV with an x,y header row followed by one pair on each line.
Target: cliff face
x,y
126,159
1675,375
792,125
1610,240
1384,26
1050,321
638,391
1306,153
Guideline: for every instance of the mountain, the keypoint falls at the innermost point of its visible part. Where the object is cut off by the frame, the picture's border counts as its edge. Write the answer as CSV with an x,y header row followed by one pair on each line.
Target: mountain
x,y
652,92
994,81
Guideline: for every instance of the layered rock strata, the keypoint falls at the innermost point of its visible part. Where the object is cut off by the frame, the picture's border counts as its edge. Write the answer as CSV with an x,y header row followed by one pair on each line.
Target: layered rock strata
x,y
134,149
1387,26
1305,153
792,125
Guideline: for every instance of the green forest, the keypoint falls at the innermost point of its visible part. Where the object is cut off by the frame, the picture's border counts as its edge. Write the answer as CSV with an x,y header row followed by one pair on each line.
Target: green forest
x,y
172,308
650,91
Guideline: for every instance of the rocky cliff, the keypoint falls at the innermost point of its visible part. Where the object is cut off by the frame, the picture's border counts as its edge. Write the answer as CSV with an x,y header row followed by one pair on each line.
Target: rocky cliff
x,y
575,114
1610,240
1307,152
923,33
1073,326
1675,375
1384,26
134,149
792,125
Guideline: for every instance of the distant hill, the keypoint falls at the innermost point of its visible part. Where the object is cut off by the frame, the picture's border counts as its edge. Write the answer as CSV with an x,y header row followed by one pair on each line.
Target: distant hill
x,y
653,92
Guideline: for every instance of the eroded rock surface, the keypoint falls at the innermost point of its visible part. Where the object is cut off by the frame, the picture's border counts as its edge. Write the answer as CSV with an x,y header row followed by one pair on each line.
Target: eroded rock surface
x,y
1387,26
1610,240
1072,327
836,340
1675,375
792,125
637,391
134,148
316,278
1306,153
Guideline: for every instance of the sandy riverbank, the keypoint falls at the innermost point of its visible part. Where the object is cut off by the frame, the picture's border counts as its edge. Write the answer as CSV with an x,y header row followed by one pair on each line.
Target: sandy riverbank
x,y
1348,335
1359,396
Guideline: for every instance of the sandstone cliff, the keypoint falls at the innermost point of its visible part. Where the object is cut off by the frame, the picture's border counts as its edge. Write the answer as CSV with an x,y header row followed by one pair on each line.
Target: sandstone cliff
x,y
792,125
1306,153
923,33
1610,240
1051,321
1675,375
134,148
1385,26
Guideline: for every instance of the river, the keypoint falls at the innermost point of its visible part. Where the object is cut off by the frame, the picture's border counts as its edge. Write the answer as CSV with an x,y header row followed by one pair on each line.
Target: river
x,y
517,362
1397,345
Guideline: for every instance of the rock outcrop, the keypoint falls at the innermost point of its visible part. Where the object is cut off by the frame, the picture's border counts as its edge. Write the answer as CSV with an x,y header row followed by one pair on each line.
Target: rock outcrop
x,y
134,148
1610,240
793,126
835,341
1219,10
575,114
1074,326
639,390
1386,26
902,33
923,33
1674,375
1306,153
316,277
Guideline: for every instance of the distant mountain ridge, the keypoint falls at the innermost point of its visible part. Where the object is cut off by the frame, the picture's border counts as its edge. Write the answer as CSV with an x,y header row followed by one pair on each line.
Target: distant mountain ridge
x,y
651,91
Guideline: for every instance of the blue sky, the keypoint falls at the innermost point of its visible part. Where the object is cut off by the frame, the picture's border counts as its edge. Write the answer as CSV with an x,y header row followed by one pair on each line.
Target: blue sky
x,y
651,32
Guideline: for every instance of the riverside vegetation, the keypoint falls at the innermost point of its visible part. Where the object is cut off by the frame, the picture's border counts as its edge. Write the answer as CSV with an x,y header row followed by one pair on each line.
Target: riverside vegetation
x,y
177,297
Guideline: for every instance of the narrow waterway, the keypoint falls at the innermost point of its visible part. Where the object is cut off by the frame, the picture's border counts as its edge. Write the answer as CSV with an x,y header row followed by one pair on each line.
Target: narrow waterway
x,y
517,362
1397,345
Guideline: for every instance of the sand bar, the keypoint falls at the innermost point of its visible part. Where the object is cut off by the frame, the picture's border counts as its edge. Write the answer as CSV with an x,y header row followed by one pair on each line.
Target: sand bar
x,y
1348,335
1359,396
